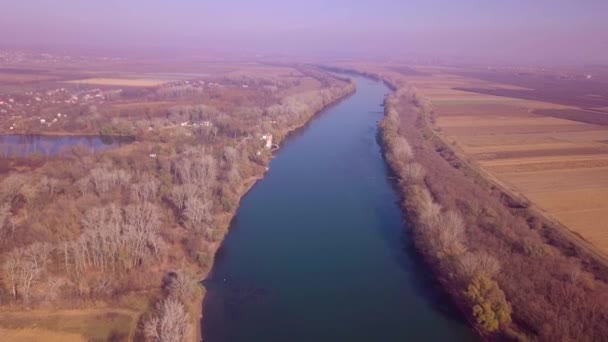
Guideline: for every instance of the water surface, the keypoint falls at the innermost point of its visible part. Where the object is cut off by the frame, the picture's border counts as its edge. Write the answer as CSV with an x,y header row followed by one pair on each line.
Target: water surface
x,y
317,250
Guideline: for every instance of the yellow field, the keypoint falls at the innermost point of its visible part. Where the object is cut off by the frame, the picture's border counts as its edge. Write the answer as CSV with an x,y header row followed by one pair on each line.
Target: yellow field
x,y
121,82
560,165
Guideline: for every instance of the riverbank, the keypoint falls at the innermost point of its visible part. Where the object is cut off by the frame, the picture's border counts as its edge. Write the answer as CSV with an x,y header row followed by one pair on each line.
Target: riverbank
x,y
498,252
248,184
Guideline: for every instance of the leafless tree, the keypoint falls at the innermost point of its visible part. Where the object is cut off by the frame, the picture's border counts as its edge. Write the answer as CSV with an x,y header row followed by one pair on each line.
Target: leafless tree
x,y
170,324
10,187
105,178
474,264
49,185
230,155
141,226
111,238
450,233
146,189
38,253
204,170
413,173
179,195
182,286
4,215
21,272
233,176
84,185
10,269
29,191
101,180
197,212
402,150
429,210
52,288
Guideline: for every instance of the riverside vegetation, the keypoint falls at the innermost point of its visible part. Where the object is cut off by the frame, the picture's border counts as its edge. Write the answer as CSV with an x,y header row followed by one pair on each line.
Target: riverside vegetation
x,y
137,227
506,269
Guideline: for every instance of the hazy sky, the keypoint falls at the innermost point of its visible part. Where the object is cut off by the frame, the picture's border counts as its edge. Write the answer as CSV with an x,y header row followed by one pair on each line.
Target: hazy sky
x,y
563,31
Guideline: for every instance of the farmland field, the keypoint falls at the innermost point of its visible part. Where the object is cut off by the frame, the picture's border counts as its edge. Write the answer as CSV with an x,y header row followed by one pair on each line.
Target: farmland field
x,y
552,152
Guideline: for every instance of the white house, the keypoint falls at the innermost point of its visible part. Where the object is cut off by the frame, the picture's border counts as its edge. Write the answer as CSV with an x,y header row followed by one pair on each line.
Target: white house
x,y
42,121
268,141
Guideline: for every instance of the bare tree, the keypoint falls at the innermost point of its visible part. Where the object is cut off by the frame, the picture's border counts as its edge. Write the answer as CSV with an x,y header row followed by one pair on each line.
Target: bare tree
x,y
471,265
402,150
197,212
183,286
109,237
10,187
450,233
413,173
179,195
52,288
21,272
84,185
11,271
104,179
204,170
230,155
429,210
101,180
141,226
146,189
49,185
4,214
171,323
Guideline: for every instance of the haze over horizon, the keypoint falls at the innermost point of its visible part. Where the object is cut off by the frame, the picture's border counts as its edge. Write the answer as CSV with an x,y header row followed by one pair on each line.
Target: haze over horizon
x,y
544,31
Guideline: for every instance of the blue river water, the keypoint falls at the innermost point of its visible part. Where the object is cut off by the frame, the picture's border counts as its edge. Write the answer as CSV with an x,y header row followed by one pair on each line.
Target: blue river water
x,y
318,251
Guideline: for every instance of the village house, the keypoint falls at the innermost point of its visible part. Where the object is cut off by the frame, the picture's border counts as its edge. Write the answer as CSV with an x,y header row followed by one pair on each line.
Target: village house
x,y
268,141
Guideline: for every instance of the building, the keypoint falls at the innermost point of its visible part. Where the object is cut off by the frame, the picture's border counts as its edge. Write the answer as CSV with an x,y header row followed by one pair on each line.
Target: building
x,y
267,141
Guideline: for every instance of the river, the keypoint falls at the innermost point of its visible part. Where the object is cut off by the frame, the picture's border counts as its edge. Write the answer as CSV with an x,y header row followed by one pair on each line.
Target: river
x,y
317,250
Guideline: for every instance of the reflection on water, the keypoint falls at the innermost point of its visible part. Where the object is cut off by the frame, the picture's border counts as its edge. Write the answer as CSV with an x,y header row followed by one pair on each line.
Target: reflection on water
x,y
25,145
